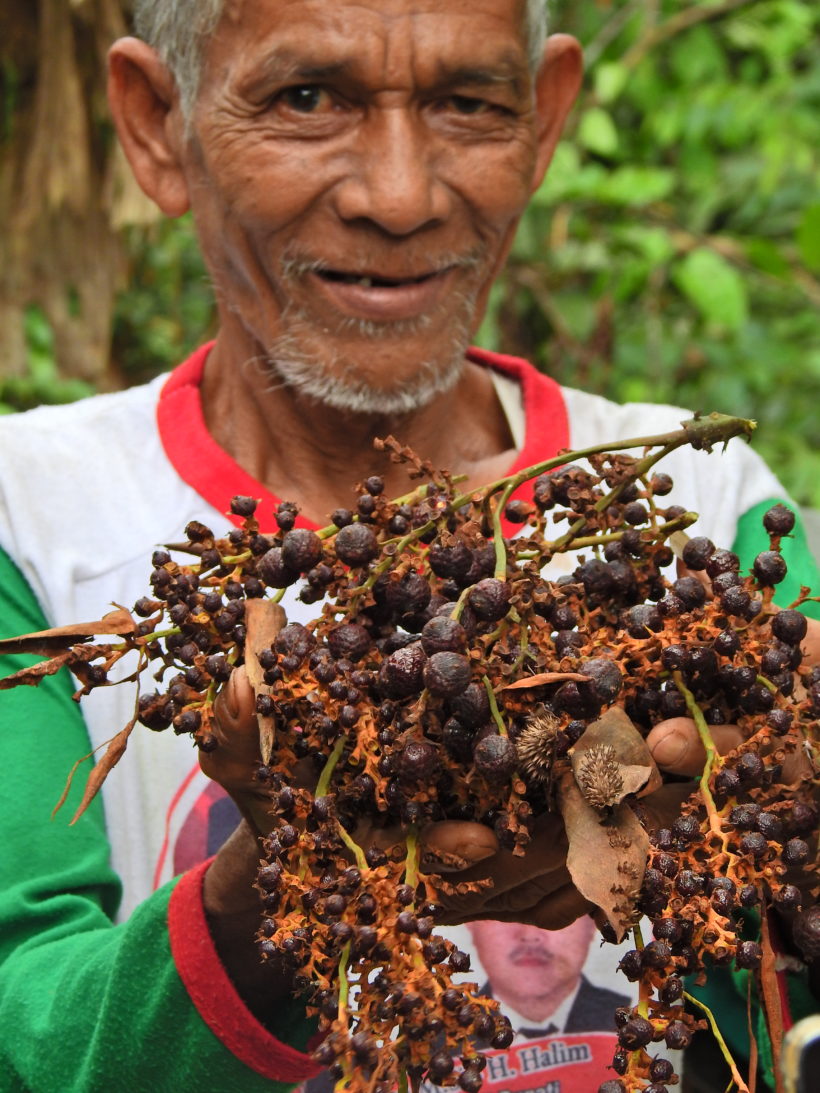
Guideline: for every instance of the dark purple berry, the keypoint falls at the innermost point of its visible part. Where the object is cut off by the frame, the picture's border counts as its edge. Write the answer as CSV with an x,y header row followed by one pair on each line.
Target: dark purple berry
x,y
697,552
447,674
635,1034
356,544
779,520
677,1036
769,568
495,758
443,634
806,932
490,599
748,954
790,626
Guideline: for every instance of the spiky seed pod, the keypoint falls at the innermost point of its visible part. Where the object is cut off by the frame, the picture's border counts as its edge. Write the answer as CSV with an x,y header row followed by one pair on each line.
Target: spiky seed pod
x,y
535,746
599,779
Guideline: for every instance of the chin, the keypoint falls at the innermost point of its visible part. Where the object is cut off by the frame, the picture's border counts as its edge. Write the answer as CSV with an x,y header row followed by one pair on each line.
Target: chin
x,y
340,385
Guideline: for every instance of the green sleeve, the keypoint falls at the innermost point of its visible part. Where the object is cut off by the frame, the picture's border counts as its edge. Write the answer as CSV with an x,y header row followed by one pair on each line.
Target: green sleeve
x,y
751,538
85,1005
726,990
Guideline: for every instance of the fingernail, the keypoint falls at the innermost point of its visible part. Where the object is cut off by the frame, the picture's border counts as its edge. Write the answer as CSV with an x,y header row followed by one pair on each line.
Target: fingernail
x,y
669,751
231,698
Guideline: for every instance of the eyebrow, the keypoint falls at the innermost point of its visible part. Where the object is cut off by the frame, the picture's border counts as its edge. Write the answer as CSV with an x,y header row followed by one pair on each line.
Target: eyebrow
x,y
506,70
285,64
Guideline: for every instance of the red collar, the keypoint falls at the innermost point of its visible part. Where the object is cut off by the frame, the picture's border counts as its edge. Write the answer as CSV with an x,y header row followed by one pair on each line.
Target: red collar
x,y
216,477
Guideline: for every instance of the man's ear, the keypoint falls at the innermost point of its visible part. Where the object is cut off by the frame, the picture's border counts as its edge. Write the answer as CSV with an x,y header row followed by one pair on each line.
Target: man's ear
x,y
556,89
143,100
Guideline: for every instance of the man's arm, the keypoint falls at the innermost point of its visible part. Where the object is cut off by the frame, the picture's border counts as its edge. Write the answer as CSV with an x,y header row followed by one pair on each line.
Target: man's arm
x,y
85,1004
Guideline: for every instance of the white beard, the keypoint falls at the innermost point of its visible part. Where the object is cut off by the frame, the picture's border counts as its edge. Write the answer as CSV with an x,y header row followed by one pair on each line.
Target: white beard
x,y
334,381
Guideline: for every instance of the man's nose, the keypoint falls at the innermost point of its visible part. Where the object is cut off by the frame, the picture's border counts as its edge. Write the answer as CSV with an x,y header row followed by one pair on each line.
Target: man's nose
x,y
394,181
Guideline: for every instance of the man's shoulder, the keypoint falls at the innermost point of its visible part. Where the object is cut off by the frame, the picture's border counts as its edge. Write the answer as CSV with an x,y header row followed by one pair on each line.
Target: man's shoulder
x,y
594,1008
74,427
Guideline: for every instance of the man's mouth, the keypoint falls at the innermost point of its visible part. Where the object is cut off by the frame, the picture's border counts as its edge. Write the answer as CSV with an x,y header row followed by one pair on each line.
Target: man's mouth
x,y
379,296
367,280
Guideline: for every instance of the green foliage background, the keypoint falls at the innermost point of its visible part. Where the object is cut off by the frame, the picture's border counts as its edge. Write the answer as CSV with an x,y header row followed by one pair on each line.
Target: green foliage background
x,y
672,255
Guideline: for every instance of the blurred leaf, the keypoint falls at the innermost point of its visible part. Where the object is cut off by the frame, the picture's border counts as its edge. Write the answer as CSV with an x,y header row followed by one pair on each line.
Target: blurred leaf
x,y
597,132
714,287
609,79
808,237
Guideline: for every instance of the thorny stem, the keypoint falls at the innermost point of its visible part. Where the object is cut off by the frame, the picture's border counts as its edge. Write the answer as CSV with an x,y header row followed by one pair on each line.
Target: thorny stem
x,y
700,432
502,728
724,1050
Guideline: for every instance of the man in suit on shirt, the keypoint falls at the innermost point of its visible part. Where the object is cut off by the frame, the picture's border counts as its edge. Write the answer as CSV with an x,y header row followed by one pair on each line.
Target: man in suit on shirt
x,y
537,976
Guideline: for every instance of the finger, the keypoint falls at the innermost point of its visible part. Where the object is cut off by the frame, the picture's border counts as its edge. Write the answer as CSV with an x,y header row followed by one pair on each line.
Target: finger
x,y
545,854
456,845
553,912
676,745
235,708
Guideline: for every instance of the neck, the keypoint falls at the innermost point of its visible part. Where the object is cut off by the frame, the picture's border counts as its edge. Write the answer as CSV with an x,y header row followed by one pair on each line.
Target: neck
x,y
306,452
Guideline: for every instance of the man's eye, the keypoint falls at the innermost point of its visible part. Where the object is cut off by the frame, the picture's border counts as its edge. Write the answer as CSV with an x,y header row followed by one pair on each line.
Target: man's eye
x,y
465,104
305,98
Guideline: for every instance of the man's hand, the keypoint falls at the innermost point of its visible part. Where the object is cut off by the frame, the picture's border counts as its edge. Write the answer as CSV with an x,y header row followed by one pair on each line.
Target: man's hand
x,y
481,880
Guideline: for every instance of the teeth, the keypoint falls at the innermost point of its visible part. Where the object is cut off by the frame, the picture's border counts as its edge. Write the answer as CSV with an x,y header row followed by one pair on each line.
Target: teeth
x,y
366,282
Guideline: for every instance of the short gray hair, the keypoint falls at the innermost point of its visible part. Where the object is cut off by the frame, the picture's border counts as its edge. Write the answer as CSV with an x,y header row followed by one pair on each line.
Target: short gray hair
x,y
178,30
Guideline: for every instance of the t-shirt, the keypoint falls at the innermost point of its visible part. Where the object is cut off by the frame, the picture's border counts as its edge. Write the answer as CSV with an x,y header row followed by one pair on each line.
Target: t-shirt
x,y
108,976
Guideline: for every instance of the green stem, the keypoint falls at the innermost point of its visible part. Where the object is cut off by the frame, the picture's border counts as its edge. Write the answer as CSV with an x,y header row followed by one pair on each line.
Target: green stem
x,y
344,985
603,504
330,766
724,1050
643,993
411,876
353,847
696,713
498,534
661,532
158,635
460,604
712,759
418,494
502,728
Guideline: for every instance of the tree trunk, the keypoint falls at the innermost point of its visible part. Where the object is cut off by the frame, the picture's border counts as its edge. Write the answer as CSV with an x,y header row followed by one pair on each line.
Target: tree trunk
x,y
65,190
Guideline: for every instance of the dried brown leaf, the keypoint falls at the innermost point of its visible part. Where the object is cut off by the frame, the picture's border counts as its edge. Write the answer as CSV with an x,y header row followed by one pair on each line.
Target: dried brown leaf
x,y
770,989
263,621
606,859
543,678
113,753
119,623
35,673
637,768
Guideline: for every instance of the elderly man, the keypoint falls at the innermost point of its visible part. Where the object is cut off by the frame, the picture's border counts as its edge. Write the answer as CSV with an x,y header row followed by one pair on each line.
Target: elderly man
x,y
356,171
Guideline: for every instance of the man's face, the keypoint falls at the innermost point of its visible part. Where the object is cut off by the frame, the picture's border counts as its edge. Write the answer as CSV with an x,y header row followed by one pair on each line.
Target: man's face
x,y
532,969
356,171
